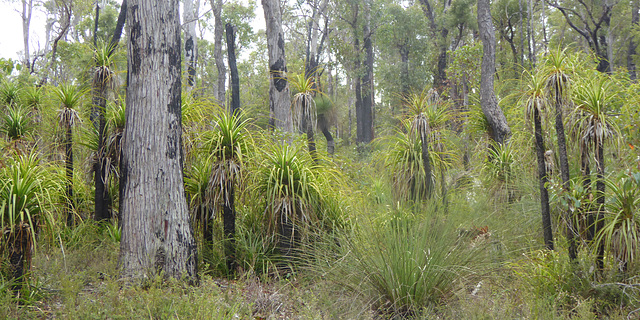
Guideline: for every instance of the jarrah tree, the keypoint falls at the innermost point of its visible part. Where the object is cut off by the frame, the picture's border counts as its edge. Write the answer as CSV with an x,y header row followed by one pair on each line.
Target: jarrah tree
x,y
279,96
500,130
156,235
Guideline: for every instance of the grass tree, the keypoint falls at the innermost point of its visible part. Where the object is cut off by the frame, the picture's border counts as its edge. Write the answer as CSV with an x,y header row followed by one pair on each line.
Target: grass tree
x,y
28,190
16,124
594,125
103,80
70,97
558,86
9,93
228,146
620,232
290,185
535,104
303,108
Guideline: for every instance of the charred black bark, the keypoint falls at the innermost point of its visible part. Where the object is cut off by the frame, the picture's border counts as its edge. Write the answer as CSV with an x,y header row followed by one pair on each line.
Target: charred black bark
x,y
234,108
600,188
68,151
323,124
229,222
542,176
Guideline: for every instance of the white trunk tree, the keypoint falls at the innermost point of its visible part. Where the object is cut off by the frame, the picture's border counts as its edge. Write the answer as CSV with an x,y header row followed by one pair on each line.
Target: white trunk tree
x,y
156,235
191,40
279,97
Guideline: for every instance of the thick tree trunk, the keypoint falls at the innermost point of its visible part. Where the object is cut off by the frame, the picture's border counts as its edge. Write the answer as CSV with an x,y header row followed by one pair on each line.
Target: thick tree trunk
x,y
564,170
633,43
542,175
156,234
500,130
122,17
218,30
229,222
20,248
190,40
234,108
279,96
323,125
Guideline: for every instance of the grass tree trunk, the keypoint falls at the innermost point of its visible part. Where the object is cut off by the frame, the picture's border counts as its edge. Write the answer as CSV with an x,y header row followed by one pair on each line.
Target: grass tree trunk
x,y
564,171
279,96
68,160
19,253
426,162
600,188
102,199
586,185
156,233
542,176
323,125
229,221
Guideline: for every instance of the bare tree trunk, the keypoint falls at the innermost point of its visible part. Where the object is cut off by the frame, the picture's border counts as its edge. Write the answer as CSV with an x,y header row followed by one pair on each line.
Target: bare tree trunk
x,y
500,130
368,92
156,233
633,44
27,9
279,96
600,188
234,107
65,24
68,160
218,30
191,40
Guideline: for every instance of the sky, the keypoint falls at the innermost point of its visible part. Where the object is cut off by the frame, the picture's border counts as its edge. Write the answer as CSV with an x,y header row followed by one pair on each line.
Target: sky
x,y
11,45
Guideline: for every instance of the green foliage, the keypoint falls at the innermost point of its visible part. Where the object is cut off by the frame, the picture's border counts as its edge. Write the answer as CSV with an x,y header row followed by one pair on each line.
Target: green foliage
x,y
405,264
303,104
16,122
9,93
621,231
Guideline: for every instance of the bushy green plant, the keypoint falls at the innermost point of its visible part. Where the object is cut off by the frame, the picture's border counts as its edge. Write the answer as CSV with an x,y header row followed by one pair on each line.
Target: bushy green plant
x,y
405,264
16,122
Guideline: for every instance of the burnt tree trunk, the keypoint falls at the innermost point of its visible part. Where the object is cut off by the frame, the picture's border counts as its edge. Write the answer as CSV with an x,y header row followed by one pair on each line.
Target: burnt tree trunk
x,y
542,176
156,234
229,226
600,188
234,108
279,96
68,160
499,128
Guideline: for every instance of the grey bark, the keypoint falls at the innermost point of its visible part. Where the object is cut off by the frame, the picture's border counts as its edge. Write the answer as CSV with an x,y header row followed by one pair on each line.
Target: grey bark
x,y
156,234
27,9
190,40
368,98
279,96
499,128
218,31
633,44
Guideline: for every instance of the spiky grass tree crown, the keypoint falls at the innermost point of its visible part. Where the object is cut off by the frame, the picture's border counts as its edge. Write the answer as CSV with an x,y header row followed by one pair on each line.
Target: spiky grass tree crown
x,y
593,122
290,185
15,123
303,106
9,93
228,144
534,97
70,97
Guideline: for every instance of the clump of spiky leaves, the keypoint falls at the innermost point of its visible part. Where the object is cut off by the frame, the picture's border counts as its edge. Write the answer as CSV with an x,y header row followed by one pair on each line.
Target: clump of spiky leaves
x,y
9,93
303,106
620,233
404,264
69,96
289,183
29,190
410,179
32,97
16,122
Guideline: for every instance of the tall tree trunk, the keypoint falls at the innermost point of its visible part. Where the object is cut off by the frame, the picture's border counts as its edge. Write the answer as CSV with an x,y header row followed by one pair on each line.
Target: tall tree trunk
x,y
27,10
156,233
633,44
95,25
426,162
191,40
229,222
564,169
65,24
68,160
234,108
218,30
500,130
20,248
279,96
323,125
586,185
368,99
542,175
404,71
